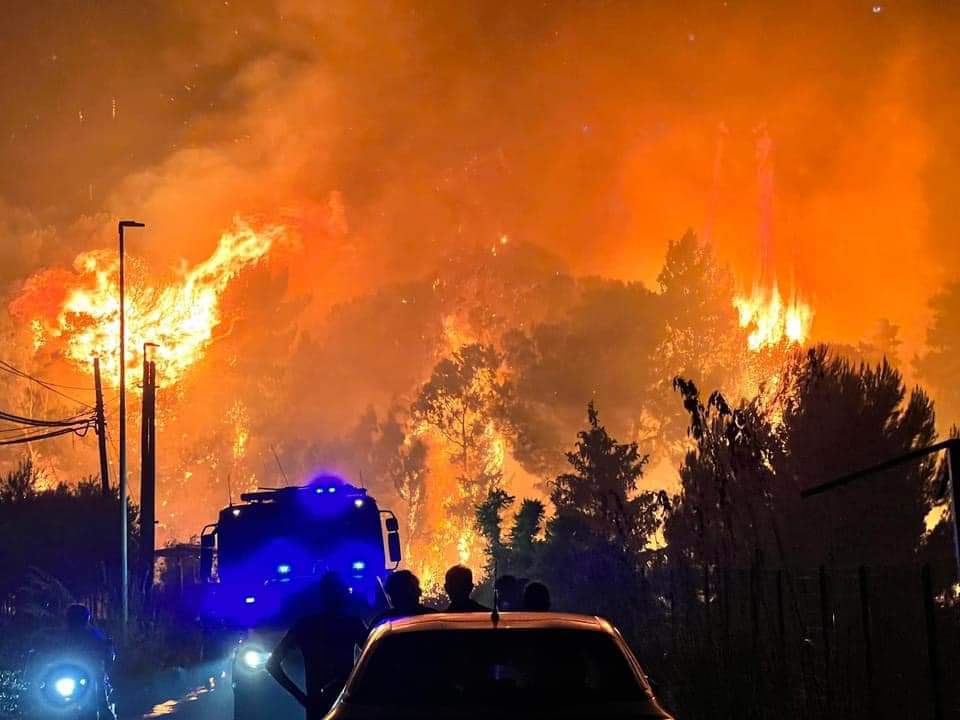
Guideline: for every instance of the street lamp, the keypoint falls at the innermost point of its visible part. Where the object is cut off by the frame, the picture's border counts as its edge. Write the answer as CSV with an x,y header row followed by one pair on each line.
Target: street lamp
x,y
124,574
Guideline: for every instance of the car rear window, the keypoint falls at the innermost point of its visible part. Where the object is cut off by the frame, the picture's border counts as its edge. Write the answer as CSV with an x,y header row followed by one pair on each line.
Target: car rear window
x,y
491,668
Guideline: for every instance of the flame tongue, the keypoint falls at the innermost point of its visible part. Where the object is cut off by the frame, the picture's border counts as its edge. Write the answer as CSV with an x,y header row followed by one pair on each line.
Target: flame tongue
x,y
179,318
771,320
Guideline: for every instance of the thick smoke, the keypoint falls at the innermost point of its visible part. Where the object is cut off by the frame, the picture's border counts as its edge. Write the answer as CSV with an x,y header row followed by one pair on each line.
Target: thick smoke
x,y
399,142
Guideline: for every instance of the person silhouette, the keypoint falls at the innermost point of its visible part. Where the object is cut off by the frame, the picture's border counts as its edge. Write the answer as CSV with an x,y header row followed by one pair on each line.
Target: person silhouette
x,y
326,638
536,597
82,640
458,584
402,588
507,590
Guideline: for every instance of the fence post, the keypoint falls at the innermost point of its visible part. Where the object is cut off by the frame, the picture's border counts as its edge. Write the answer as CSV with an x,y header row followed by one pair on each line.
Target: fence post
x,y
929,611
867,637
825,622
782,638
673,611
726,608
755,631
706,604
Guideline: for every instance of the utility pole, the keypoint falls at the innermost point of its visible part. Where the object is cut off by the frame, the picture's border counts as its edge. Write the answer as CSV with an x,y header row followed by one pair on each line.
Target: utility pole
x,y
124,570
101,426
952,447
148,469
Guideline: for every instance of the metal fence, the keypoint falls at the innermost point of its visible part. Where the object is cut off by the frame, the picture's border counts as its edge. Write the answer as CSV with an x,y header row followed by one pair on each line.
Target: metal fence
x,y
759,643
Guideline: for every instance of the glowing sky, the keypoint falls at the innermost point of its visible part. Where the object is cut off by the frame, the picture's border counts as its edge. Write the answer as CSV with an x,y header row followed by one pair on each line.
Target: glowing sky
x,y
598,130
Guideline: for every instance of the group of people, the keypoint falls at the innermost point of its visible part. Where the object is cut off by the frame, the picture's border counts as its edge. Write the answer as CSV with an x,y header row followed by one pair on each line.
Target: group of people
x,y
328,637
403,590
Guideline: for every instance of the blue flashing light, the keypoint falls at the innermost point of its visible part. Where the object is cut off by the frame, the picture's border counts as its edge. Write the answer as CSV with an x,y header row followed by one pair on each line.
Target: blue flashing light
x,y
358,503
283,569
249,599
359,565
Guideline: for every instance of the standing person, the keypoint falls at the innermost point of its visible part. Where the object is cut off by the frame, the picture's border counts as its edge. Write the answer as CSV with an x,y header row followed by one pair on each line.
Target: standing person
x,y
326,640
536,597
507,589
85,641
458,584
403,591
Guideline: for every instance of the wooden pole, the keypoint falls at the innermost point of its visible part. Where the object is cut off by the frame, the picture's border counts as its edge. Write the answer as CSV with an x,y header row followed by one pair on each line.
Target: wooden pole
x,y
101,427
148,471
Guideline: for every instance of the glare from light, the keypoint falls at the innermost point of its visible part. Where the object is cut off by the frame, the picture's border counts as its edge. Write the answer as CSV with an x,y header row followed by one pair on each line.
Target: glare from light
x,y
283,569
236,512
65,686
358,503
249,599
319,491
255,659
359,565
331,489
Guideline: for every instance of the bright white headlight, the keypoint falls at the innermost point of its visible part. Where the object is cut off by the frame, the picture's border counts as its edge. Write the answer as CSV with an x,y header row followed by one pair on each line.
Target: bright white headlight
x,y
254,659
65,686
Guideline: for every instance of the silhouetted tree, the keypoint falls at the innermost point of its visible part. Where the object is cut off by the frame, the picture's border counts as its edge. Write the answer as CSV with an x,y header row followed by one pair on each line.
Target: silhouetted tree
x,y
722,515
527,526
741,482
838,417
489,519
19,484
67,533
939,367
602,487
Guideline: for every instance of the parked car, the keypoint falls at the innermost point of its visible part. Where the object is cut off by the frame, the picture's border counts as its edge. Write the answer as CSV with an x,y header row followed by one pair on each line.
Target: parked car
x,y
482,665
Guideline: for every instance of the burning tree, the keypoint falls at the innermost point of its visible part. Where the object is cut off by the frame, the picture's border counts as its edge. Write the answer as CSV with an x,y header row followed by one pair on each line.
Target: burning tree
x,y
460,405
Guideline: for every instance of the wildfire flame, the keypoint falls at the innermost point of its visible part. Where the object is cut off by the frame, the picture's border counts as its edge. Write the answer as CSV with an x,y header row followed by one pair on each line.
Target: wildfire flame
x,y
180,318
771,320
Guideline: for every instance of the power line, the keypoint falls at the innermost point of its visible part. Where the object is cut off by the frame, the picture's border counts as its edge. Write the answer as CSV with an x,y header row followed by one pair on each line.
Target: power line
x,y
79,431
34,422
7,367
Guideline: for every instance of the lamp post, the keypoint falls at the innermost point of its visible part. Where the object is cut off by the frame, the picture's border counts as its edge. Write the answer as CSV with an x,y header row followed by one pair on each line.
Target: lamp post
x,y
124,572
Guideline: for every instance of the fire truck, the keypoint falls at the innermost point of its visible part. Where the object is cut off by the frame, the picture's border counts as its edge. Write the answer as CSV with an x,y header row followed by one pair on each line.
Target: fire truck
x,y
261,558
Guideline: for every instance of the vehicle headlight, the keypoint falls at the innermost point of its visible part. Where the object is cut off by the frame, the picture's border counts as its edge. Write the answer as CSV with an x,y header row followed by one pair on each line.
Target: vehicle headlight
x,y
65,684
254,658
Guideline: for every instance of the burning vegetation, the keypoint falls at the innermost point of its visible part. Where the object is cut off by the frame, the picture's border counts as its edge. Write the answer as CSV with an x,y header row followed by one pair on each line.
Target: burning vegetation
x,y
77,315
502,353
425,296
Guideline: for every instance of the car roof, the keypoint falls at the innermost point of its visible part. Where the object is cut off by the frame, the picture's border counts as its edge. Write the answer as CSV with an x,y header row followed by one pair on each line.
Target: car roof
x,y
484,621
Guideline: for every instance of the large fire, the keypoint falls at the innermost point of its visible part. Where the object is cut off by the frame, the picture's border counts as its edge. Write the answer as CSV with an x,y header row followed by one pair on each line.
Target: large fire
x,y
180,317
771,320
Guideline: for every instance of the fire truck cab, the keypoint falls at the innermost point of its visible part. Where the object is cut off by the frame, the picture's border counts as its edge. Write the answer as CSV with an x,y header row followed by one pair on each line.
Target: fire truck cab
x,y
262,553
261,559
